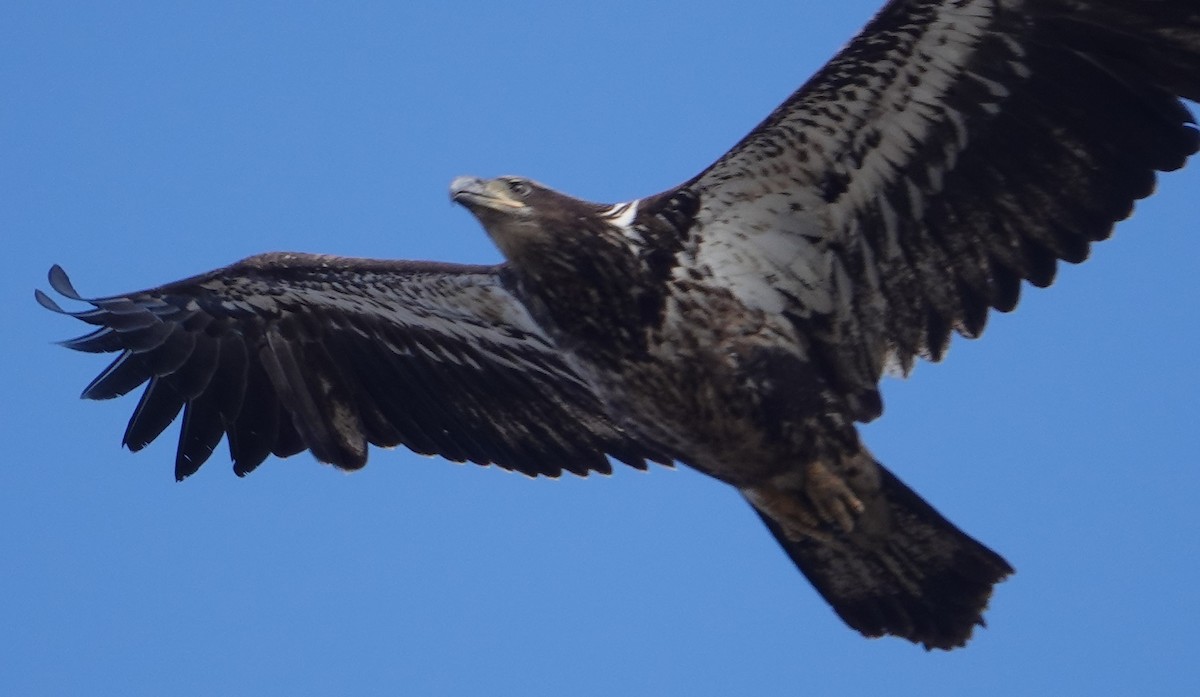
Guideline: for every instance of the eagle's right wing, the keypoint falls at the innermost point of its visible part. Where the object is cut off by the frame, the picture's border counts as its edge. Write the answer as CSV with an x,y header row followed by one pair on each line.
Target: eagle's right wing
x,y
289,352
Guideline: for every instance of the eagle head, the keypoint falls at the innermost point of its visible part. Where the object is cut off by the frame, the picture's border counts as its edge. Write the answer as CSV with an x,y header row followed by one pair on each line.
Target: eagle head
x,y
525,219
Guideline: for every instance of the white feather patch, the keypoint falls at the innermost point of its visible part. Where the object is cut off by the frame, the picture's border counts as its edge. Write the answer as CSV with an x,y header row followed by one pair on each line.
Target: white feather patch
x,y
622,215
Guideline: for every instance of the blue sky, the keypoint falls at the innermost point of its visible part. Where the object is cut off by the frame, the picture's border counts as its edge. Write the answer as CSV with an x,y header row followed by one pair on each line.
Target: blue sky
x,y
142,144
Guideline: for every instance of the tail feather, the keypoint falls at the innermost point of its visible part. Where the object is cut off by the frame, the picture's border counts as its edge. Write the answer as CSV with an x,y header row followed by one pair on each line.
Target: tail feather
x,y
917,576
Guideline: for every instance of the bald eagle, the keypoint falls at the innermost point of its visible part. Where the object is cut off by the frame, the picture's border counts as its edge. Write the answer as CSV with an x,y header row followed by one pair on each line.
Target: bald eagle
x,y
739,323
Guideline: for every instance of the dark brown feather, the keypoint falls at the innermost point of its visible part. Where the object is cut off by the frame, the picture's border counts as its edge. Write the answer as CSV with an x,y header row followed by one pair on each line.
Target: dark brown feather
x,y
319,361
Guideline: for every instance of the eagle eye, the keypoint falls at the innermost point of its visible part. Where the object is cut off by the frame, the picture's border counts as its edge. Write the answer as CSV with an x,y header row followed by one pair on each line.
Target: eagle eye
x,y
519,188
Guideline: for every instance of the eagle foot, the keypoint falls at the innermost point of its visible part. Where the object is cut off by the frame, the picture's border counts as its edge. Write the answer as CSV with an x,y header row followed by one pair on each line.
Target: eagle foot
x,y
835,503
823,501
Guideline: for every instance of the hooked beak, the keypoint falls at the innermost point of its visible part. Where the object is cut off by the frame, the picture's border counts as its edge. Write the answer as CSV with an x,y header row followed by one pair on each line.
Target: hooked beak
x,y
476,193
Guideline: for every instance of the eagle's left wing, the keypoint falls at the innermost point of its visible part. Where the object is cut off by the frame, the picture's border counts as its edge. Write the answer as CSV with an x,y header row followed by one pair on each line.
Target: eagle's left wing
x,y
950,151
289,352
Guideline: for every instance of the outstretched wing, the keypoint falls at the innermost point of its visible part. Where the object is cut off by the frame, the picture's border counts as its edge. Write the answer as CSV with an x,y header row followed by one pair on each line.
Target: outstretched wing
x,y
950,151
289,352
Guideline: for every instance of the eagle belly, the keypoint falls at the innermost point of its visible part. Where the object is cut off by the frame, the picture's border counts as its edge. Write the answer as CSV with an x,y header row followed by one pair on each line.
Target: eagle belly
x,y
730,389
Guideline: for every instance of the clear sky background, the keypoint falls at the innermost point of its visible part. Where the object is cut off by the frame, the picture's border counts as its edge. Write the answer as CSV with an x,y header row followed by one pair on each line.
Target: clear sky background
x,y
140,144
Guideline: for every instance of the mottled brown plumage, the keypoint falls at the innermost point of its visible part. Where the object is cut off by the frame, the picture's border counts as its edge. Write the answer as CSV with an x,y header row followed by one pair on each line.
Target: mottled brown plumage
x,y
739,323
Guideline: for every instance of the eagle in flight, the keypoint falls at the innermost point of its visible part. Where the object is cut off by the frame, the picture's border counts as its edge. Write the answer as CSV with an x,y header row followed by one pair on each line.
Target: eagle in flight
x,y
739,323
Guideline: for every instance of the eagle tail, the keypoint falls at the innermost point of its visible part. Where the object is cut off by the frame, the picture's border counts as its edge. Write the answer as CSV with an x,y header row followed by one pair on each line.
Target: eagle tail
x,y
911,574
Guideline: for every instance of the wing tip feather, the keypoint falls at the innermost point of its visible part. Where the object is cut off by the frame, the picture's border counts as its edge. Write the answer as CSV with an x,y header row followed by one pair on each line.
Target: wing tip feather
x,y
61,283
